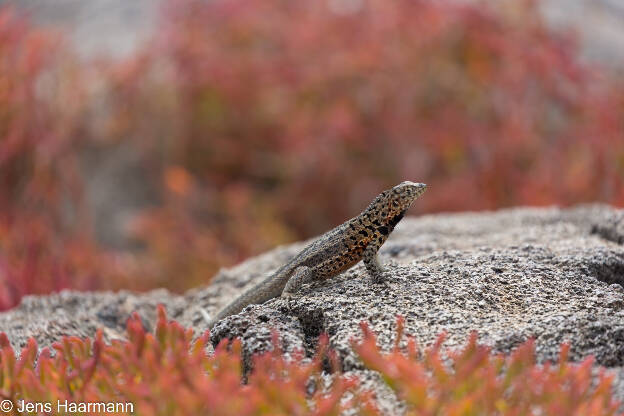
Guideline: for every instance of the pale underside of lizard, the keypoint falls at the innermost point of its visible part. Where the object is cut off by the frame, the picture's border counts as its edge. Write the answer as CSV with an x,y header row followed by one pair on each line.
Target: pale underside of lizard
x,y
335,251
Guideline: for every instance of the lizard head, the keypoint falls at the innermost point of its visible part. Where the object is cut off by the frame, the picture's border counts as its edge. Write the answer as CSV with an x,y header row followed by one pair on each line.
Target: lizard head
x,y
390,206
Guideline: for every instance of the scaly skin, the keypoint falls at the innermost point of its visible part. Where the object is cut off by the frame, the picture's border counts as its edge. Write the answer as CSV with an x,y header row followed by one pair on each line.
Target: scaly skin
x,y
336,250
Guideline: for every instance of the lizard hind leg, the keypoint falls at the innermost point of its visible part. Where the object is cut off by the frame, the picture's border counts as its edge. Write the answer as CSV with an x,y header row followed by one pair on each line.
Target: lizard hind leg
x,y
302,274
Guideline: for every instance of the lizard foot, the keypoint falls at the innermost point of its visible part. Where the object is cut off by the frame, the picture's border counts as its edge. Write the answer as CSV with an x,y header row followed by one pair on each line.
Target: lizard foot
x,y
380,278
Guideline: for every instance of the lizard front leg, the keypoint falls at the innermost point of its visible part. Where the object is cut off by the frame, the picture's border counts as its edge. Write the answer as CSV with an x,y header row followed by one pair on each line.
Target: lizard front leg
x,y
372,264
302,274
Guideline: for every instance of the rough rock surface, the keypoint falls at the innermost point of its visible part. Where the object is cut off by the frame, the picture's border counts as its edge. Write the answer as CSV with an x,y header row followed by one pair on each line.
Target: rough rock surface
x,y
70,313
552,274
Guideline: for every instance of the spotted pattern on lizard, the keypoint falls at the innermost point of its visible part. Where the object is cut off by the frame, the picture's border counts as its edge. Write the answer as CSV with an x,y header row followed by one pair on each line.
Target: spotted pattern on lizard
x,y
335,251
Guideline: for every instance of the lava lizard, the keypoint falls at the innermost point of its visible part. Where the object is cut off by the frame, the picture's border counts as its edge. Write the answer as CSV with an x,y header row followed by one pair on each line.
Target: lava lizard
x,y
336,250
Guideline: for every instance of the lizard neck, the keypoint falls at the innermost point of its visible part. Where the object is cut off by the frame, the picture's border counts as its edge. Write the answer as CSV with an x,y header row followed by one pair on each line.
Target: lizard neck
x,y
373,218
393,221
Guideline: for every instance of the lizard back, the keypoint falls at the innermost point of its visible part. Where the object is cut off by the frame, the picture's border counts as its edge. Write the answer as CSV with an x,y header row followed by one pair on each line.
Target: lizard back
x,y
338,249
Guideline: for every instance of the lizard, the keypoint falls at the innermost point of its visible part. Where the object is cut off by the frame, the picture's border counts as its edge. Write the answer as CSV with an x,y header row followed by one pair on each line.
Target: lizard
x,y
335,251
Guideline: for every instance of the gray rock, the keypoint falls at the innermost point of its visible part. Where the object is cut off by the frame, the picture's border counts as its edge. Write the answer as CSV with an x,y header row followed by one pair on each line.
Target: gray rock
x,y
71,313
552,274
510,275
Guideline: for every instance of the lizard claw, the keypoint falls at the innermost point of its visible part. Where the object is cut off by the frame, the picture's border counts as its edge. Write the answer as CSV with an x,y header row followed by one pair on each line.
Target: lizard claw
x,y
287,297
379,278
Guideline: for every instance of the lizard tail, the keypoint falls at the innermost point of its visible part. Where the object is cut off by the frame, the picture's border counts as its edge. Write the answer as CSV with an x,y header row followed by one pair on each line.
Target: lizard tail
x,y
258,294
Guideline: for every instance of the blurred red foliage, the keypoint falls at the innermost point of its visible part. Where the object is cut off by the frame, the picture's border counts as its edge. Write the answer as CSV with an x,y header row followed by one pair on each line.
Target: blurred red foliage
x,y
167,374
290,116
472,381
342,99
170,374
44,239
266,122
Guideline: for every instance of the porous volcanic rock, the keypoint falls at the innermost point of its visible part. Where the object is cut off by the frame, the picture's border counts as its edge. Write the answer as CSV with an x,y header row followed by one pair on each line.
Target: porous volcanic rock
x,y
69,313
550,274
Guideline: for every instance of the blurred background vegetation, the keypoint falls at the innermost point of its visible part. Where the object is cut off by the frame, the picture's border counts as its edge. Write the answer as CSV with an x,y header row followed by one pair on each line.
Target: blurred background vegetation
x,y
238,125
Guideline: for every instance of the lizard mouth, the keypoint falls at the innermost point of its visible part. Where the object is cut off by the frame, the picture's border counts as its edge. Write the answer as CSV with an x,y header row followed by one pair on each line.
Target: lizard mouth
x,y
420,188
